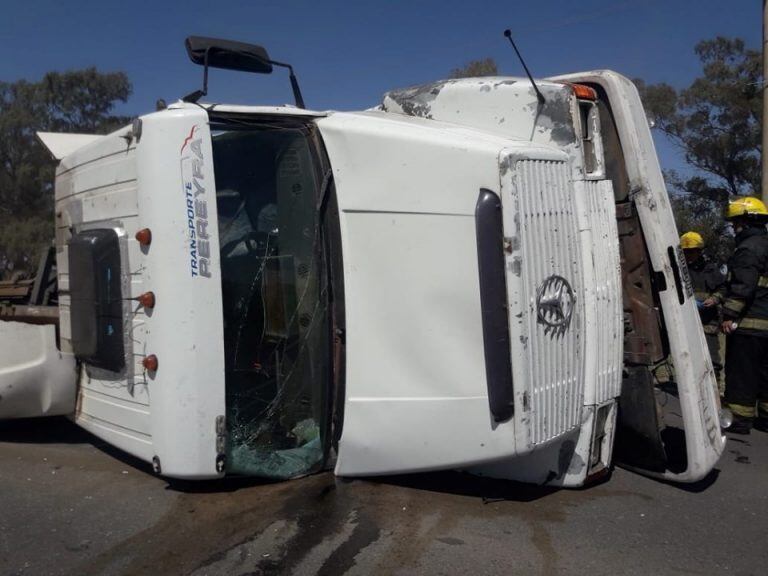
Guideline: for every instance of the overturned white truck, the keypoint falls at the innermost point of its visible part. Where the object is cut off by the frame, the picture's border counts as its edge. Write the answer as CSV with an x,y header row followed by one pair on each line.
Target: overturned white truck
x,y
479,274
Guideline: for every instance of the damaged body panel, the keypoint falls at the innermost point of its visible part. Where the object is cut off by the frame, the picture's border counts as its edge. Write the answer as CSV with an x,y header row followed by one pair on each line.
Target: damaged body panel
x,y
641,225
503,106
412,293
432,284
696,387
561,224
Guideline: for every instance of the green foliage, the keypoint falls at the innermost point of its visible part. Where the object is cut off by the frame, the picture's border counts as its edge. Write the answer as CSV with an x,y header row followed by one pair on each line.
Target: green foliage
x,y
74,101
716,121
475,68
697,213
23,241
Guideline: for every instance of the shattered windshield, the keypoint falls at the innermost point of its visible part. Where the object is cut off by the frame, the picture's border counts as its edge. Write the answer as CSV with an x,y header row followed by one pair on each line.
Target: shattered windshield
x,y
274,299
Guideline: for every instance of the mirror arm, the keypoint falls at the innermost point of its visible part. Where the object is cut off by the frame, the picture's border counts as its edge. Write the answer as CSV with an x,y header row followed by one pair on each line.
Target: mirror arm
x,y
294,83
197,94
205,72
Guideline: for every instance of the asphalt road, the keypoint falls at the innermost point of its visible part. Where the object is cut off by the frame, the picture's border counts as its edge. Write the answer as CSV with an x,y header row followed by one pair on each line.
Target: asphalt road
x,y
71,505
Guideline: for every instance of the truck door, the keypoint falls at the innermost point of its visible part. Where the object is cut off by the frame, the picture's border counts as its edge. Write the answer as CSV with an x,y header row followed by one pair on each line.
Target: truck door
x,y
662,326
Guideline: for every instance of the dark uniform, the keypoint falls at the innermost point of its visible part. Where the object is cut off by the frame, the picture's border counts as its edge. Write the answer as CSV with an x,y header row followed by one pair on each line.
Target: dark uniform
x,y
746,303
709,281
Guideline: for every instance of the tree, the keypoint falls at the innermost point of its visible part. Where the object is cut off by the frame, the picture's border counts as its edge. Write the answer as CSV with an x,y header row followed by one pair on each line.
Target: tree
x,y
716,121
695,212
75,101
474,68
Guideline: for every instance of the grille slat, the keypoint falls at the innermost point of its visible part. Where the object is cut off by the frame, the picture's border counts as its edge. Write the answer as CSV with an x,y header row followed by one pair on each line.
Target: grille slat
x,y
607,288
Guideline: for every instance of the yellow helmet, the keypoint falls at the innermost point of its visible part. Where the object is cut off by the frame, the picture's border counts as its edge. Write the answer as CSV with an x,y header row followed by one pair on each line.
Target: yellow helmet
x,y
746,206
691,240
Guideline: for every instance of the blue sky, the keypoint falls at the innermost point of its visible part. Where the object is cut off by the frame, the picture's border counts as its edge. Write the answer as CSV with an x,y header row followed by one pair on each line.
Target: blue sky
x,y
346,54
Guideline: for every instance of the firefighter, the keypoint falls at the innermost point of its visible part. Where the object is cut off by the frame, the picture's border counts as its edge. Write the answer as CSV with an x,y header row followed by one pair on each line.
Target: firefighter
x,y
708,282
745,317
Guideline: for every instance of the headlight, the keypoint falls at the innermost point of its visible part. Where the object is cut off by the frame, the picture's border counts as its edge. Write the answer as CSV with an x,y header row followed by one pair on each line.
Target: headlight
x,y
726,418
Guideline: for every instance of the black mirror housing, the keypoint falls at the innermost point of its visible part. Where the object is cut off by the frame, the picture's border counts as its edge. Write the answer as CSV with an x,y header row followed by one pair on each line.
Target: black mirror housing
x,y
228,54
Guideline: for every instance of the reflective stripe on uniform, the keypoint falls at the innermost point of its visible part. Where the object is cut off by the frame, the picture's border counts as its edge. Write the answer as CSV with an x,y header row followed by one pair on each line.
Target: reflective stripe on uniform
x,y
754,323
762,409
734,305
763,282
741,410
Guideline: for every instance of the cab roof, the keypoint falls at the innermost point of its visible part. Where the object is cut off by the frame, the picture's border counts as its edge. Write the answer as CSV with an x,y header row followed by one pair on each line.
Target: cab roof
x,y
285,110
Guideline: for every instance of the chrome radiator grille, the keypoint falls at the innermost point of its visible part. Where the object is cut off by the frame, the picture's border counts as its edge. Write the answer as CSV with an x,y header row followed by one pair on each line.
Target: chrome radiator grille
x,y
551,286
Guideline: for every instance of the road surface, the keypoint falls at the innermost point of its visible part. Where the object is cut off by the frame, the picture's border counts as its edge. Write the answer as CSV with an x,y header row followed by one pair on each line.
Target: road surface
x,y
71,505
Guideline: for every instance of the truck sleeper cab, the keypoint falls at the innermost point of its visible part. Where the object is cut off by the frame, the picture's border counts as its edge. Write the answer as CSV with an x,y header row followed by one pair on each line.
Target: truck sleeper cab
x,y
334,287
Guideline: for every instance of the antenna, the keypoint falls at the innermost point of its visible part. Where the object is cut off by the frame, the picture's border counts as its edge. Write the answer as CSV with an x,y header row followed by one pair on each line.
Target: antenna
x,y
539,95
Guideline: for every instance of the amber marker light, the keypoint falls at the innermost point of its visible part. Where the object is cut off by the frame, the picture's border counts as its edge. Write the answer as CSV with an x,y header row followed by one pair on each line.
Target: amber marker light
x,y
144,236
150,363
584,92
147,299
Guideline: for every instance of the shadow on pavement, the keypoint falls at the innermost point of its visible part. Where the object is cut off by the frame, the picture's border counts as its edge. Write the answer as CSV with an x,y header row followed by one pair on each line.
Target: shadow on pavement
x,y
220,485
52,430
696,487
463,484
60,430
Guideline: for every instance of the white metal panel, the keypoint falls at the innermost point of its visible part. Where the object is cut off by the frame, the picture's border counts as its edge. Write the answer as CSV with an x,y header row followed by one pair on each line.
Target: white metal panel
x,y
131,441
96,187
185,329
504,106
97,172
544,243
394,288
111,409
285,110
110,401
116,143
693,368
550,464
416,392
608,341
118,201
121,183
35,378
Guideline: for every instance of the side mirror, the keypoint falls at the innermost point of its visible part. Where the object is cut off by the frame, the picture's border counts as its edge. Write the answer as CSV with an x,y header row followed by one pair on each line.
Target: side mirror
x,y
228,55
232,55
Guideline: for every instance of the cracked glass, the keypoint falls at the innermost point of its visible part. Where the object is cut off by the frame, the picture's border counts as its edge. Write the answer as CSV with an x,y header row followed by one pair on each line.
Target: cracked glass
x,y
274,296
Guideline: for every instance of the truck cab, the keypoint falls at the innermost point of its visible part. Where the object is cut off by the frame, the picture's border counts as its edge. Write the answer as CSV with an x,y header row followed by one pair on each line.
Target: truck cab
x,y
464,277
